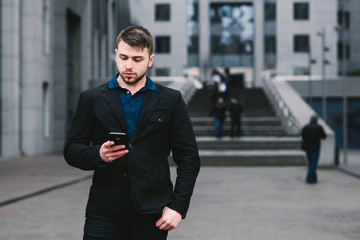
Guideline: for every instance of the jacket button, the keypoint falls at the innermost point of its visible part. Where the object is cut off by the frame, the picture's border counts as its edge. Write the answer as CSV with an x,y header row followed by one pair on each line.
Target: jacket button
x,y
131,146
125,175
160,120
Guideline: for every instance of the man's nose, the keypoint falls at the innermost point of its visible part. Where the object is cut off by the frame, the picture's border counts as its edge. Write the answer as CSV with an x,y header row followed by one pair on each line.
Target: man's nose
x,y
129,64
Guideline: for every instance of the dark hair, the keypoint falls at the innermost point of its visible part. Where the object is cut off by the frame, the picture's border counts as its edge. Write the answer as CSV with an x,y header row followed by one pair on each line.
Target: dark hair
x,y
313,119
136,36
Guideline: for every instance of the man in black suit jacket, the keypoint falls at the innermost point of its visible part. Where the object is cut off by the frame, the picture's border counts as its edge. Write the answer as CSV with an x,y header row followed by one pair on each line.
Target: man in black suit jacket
x,y
132,196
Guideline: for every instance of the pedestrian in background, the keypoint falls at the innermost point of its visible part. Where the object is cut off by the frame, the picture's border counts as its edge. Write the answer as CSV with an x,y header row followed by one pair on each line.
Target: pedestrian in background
x,y
227,81
223,91
132,195
216,79
219,112
311,135
235,111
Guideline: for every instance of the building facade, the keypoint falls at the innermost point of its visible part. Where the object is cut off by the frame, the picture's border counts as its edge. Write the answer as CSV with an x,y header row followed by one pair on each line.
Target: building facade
x,y
348,37
50,51
166,20
290,36
306,38
53,49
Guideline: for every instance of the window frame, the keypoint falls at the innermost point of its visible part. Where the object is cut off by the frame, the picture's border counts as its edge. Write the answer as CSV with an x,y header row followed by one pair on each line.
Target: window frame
x,y
162,15
300,16
167,49
295,43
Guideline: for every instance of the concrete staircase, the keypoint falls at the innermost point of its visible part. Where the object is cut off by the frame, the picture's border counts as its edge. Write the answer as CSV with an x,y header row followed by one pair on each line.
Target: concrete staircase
x,y
263,142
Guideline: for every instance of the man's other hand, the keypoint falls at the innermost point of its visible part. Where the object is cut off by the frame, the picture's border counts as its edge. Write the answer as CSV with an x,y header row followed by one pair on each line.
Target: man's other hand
x,y
169,219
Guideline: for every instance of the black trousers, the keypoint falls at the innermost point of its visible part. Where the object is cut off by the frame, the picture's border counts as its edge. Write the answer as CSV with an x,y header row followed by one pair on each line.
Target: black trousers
x,y
235,126
125,225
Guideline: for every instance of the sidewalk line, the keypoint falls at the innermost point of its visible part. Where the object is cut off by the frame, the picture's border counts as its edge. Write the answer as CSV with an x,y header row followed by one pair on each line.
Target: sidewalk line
x,y
347,172
43,191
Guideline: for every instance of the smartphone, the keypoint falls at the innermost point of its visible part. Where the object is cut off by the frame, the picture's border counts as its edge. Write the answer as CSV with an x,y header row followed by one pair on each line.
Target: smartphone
x,y
119,138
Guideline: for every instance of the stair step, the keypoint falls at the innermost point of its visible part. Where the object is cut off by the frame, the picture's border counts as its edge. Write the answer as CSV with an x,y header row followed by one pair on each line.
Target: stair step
x,y
245,131
263,140
247,143
246,121
252,158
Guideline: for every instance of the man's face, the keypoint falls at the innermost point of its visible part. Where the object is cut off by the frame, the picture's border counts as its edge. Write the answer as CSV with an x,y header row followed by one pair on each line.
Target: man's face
x,y
132,63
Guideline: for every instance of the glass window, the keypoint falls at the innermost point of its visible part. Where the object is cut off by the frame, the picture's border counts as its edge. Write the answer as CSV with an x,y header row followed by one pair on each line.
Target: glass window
x,y
193,46
301,43
270,44
341,50
194,12
46,27
162,72
46,109
162,44
347,19
344,19
162,12
301,11
270,11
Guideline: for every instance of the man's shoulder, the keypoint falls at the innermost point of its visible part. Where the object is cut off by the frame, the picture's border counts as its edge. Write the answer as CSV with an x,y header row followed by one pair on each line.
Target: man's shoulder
x,y
97,89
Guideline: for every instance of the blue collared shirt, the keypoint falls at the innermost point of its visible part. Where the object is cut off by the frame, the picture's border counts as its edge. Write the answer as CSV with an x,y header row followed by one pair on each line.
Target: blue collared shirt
x,y
131,104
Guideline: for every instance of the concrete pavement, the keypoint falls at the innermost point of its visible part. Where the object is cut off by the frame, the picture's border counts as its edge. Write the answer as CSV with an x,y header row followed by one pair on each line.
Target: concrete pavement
x,y
24,177
228,203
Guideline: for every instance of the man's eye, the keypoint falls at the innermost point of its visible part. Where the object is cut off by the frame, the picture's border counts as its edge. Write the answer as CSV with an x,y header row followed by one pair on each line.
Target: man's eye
x,y
137,60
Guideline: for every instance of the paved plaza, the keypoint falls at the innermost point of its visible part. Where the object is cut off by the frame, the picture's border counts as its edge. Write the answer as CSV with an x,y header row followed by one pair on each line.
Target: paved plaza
x,y
43,198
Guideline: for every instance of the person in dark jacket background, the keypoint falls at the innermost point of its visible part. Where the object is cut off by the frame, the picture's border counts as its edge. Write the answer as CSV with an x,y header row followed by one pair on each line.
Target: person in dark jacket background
x,y
311,135
235,109
219,112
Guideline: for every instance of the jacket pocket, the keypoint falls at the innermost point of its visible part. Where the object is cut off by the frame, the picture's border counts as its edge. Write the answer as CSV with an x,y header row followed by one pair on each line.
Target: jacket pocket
x,y
160,117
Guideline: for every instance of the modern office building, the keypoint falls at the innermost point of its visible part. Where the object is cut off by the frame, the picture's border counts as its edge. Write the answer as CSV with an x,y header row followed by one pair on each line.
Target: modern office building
x,y
349,37
50,51
53,49
290,36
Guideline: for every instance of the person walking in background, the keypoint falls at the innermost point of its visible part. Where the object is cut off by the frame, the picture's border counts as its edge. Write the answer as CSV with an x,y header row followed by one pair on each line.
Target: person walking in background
x,y
235,110
223,92
216,79
311,135
132,195
227,80
219,112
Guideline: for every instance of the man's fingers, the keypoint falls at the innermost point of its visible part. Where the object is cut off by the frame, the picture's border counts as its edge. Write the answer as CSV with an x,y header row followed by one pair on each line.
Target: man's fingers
x,y
109,152
169,220
165,226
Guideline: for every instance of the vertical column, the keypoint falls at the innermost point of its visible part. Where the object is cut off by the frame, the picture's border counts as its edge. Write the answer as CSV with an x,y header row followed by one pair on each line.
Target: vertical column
x,y
1,78
204,40
10,78
259,42
59,80
111,40
87,46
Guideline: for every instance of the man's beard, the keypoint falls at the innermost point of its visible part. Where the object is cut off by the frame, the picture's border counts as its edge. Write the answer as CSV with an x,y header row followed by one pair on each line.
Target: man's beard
x,y
128,80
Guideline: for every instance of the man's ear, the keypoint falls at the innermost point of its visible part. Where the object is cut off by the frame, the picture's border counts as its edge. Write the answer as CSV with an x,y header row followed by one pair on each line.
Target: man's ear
x,y
151,60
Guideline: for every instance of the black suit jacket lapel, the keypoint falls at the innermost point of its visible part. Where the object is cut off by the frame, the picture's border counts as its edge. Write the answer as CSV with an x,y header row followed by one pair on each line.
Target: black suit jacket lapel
x,y
151,98
112,97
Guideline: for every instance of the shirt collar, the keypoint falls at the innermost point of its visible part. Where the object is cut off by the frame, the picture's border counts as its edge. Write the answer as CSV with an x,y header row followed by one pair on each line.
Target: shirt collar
x,y
150,85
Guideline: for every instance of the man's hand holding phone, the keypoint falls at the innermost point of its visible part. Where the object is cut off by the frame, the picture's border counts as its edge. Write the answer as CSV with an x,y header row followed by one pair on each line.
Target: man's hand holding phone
x,y
115,147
